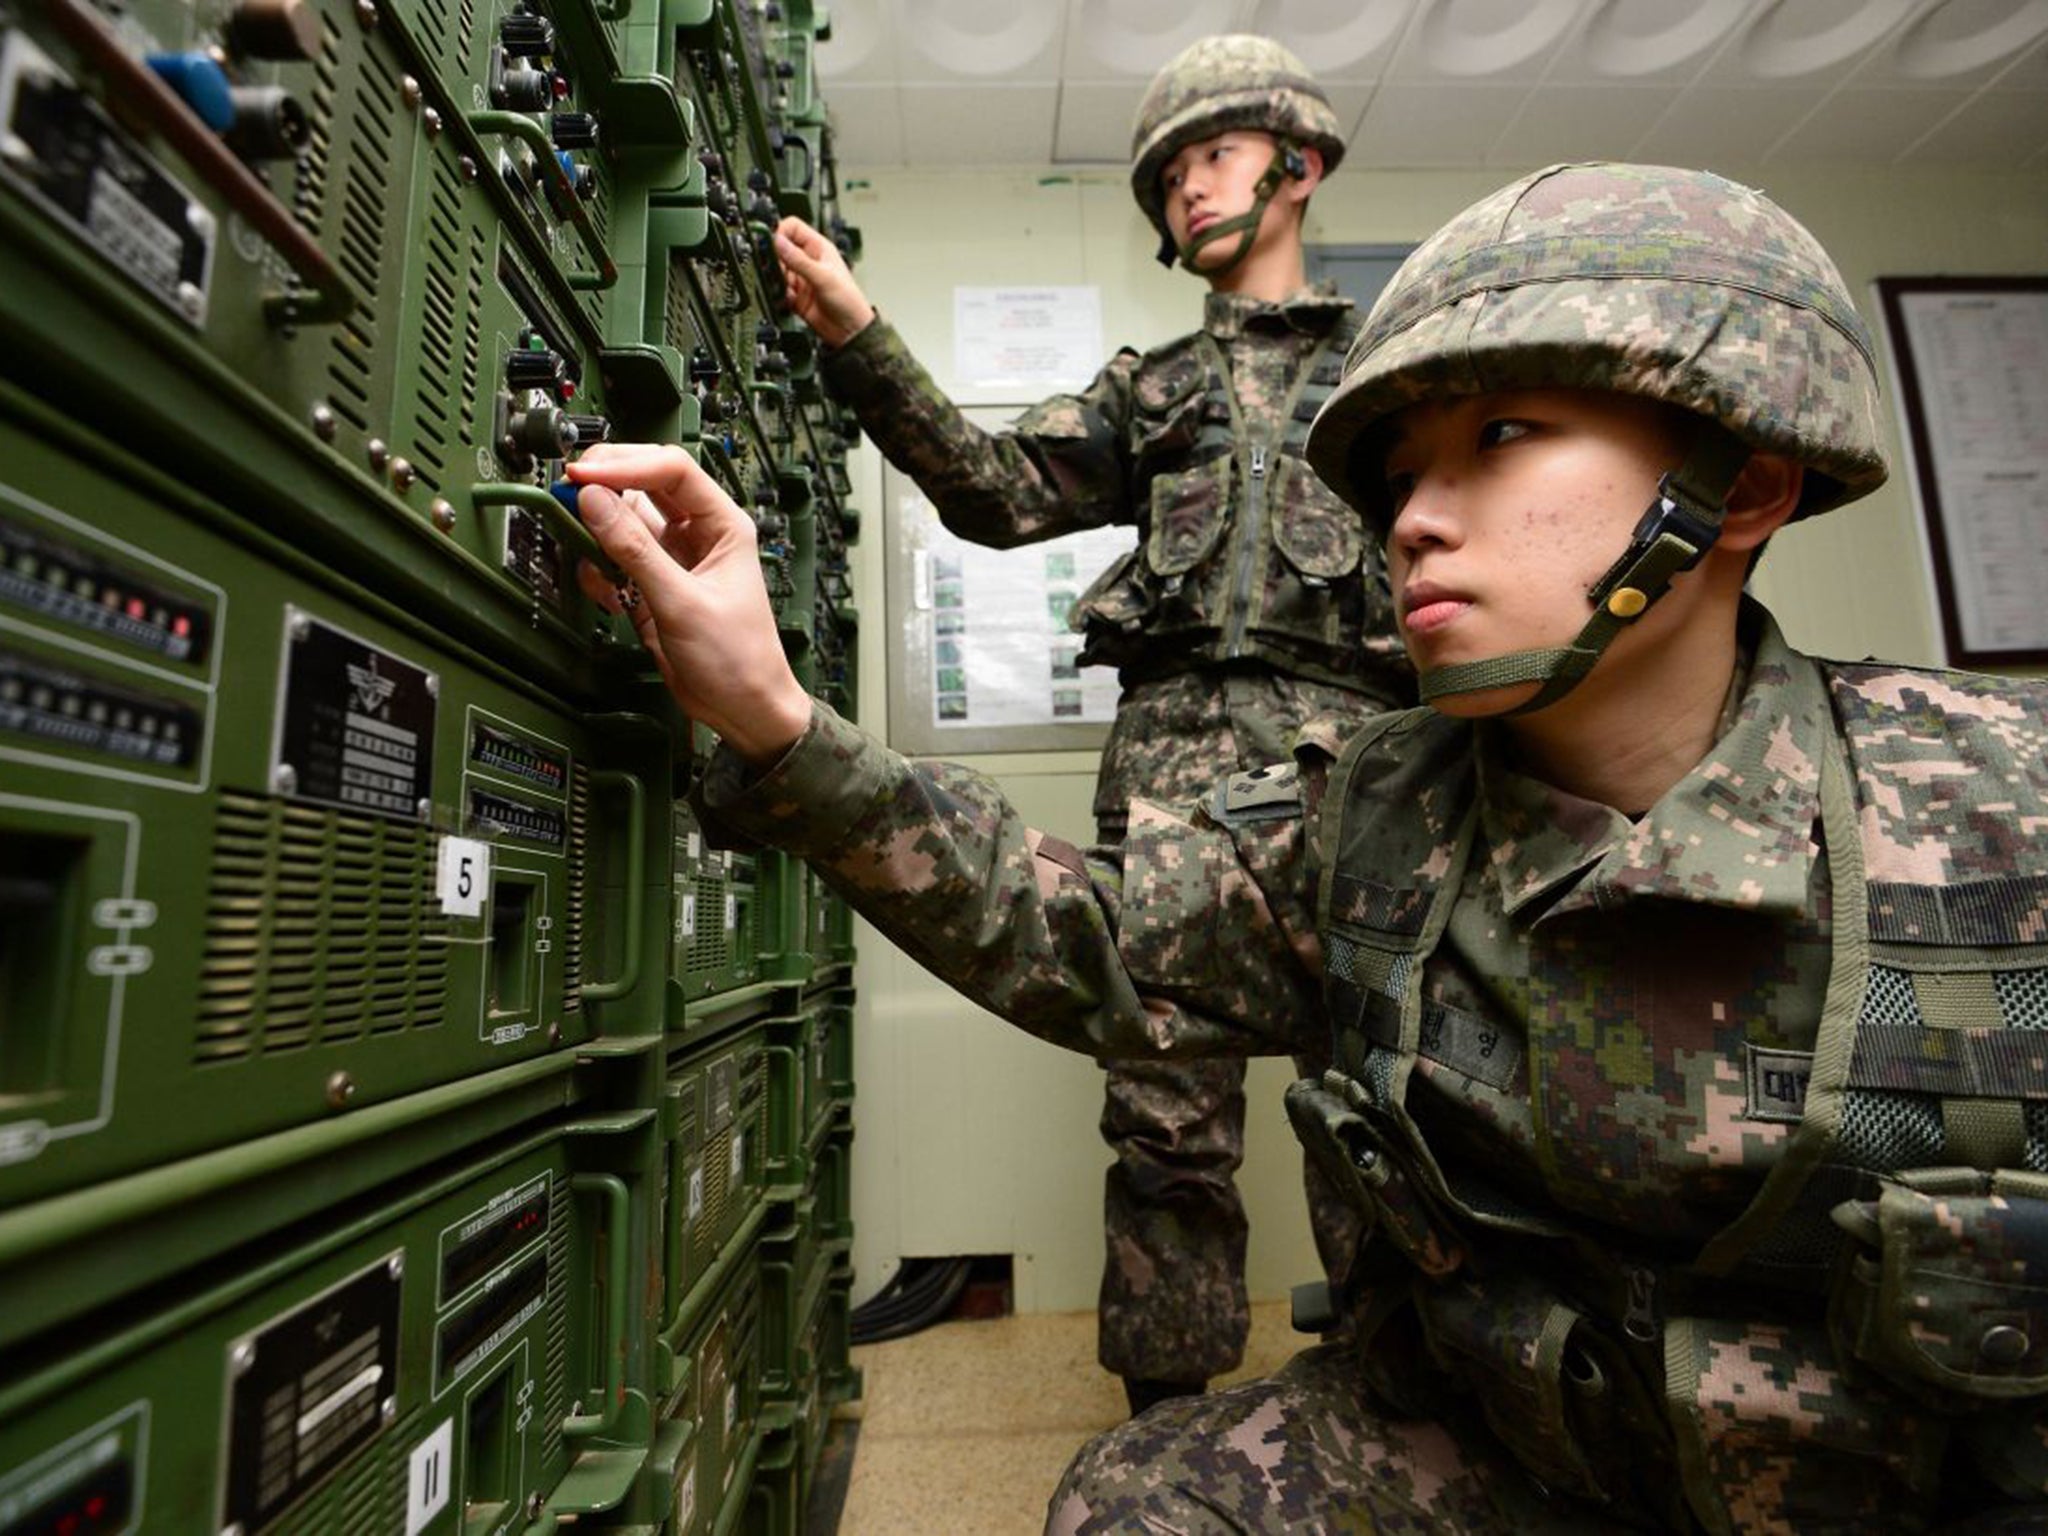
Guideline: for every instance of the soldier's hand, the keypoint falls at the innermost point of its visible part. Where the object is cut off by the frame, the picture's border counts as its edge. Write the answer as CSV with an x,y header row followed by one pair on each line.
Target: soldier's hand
x,y
694,592
819,285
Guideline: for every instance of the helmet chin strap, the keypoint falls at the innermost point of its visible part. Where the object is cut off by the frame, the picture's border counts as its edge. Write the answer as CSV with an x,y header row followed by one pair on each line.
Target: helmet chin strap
x,y
1680,526
1287,161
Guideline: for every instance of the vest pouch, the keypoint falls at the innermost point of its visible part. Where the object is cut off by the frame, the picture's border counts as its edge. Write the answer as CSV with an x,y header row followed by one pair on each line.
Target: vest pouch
x,y
1112,608
1943,1290
1353,1156
1189,510
1549,1385
1772,1436
1167,423
1321,537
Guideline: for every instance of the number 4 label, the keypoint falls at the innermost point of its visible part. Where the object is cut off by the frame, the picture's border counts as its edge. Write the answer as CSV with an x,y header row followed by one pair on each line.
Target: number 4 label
x,y
463,876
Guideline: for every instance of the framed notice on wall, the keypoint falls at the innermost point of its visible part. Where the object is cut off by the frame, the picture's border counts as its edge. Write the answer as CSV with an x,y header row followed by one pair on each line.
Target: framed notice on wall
x,y
984,660
1971,354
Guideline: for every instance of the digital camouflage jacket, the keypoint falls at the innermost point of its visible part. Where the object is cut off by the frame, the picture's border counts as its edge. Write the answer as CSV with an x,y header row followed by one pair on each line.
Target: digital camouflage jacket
x,y
1704,1149
1243,555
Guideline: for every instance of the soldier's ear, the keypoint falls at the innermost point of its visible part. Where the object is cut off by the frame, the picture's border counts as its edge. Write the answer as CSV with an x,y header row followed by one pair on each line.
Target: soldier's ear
x,y
1296,189
1764,498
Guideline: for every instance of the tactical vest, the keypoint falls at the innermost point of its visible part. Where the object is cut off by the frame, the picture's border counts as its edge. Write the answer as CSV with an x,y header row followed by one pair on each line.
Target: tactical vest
x,y
1243,553
1883,1297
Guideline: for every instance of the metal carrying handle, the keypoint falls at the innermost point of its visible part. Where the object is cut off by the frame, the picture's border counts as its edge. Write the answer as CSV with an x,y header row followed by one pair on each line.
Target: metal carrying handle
x,y
636,835
618,1214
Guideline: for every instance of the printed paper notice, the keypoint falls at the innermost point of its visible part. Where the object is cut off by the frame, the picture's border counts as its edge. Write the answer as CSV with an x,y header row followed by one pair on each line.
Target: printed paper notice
x,y
1982,361
995,626
1023,342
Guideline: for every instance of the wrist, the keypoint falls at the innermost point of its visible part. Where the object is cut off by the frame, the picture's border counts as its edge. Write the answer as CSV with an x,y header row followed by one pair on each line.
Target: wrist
x,y
763,735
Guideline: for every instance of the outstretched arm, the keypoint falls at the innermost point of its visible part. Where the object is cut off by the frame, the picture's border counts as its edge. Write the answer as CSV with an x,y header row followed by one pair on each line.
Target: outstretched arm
x,y
819,285
1194,938
697,598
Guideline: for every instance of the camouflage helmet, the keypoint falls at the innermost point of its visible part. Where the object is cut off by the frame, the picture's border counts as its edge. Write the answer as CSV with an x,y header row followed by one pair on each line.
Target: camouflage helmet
x,y
1673,284
1238,80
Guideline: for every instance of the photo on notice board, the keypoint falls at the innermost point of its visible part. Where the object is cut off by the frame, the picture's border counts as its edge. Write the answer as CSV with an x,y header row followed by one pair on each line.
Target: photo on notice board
x,y
1971,356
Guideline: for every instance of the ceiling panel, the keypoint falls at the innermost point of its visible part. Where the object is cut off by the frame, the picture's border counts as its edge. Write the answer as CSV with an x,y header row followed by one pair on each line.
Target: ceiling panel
x,y
1461,83
1999,126
1867,125
1711,125
1587,124
1433,125
978,124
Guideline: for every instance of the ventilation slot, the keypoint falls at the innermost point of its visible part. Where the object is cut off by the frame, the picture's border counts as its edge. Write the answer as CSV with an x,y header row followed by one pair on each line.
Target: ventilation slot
x,y
555,1393
472,327
579,874
359,242
318,928
439,317
309,193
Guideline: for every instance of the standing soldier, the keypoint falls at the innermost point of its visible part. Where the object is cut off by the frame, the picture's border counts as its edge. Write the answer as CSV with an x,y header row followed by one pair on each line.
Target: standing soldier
x,y
1689,994
1252,603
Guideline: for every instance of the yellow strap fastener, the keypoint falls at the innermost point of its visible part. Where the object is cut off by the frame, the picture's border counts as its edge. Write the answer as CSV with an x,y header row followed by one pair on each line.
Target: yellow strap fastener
x,y
1626,602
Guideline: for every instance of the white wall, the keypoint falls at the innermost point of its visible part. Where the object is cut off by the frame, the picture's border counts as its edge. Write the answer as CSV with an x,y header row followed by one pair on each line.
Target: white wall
x,y
974,1138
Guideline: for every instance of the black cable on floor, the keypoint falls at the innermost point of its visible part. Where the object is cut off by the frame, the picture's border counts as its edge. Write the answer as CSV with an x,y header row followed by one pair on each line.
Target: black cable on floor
x,y
911,1301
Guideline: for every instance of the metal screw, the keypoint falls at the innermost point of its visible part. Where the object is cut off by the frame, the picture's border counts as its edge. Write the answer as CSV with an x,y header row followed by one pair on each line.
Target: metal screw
x,y
433,685
534,1505
242,1357
284,779
395,1265
234,1529
366,14
425,810
409,91
379,452
299,627
443,513
389,1409
467,166
431,120
324,423
191,300
402,474
341,1087
555,1033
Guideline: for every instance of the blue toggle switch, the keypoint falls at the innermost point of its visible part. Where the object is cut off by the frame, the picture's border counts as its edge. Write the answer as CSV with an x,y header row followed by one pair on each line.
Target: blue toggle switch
x,y
202,83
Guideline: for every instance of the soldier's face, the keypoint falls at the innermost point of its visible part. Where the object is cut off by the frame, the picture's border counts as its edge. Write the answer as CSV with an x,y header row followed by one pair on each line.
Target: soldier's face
x,y
1508,509
1212,180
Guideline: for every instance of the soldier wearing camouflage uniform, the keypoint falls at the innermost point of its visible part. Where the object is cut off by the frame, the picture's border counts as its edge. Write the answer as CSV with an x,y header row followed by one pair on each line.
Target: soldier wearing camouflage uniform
x,y
1689,995
1253,602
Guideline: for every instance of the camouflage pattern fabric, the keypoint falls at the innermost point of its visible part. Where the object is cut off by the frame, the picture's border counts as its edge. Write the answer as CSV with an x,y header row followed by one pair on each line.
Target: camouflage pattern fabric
x,y
1222,83
1609,997
1301,1451
1159,441
1173,1303
1676,285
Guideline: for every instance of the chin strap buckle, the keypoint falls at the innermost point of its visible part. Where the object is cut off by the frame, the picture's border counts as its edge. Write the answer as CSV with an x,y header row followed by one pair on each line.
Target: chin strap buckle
x,y
1676,523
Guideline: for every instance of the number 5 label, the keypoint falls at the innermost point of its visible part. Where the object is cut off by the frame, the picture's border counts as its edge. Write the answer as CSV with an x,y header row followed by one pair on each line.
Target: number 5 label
x,y
463,876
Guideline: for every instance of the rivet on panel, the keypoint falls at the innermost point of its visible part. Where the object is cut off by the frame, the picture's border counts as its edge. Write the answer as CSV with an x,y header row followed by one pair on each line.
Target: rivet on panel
x,y
341,1087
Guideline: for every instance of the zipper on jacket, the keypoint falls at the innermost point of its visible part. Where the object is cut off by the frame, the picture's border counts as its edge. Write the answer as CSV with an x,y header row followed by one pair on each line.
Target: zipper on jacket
x,y
1249,528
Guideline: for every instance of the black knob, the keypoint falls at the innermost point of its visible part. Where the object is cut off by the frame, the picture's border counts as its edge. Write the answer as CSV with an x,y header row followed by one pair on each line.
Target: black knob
x,y
759,180
525,90
703,367
542,432
772,363
591,430
269,123
524,35
762,207
573,130
534,368
785,70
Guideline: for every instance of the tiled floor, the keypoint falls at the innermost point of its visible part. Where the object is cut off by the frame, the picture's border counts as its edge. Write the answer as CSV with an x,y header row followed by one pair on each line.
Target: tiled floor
x,y
966,1427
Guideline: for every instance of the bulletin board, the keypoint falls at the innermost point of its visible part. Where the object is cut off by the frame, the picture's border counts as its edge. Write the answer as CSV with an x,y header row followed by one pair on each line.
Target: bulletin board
x,y
983,660
1971,358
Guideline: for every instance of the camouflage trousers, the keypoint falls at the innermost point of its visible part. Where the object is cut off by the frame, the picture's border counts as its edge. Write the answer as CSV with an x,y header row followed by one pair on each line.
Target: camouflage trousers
x,y
1173,1304
1302,1453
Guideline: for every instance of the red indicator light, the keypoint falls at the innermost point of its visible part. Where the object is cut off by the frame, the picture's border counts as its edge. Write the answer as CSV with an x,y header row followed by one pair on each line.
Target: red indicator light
x,y
136,607
561,88
568,393
181,626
